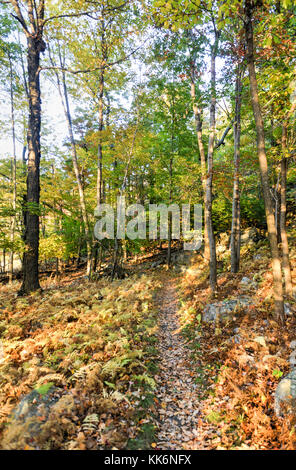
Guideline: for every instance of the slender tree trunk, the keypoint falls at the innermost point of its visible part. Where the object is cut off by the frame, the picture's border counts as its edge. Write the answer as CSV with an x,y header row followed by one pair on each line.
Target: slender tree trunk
x,y
104,57
4,260
77,174
100,182
284,237
13,224
235,227
24,195
169,253
272,231
117,242
209,181
63,92
277,207
198,126
56,220
100,148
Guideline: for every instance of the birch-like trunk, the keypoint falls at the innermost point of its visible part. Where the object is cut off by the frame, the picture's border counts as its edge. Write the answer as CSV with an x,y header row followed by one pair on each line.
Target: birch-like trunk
x,y
13,170
283,229
209,180
169,252
198,126
67,111
100,148
235,227
270,218
64,97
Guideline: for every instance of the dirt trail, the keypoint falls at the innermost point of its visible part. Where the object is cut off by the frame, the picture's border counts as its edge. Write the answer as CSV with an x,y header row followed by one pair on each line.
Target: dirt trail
x,y
178,410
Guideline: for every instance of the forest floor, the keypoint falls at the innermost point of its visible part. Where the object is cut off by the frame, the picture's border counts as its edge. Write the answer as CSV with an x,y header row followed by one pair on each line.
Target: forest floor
x,y
130,364
178,401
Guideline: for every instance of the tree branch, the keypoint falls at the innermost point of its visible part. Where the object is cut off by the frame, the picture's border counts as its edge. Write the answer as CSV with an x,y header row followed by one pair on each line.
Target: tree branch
x,y
68,15
19,16
221,141
99,67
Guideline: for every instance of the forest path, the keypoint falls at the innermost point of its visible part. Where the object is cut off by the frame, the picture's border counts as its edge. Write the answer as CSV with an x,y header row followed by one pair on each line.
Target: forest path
x,y
178,408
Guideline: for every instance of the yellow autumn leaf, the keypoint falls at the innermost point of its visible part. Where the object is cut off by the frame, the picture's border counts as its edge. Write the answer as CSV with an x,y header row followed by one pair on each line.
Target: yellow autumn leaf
x,y
263,399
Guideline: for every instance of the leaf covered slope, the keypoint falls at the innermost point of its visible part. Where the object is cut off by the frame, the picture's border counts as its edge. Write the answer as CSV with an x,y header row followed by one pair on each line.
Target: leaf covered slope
x,y
87,340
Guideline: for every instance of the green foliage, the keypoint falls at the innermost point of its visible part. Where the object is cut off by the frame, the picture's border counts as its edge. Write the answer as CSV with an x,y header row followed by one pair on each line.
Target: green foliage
x,y
252,210
277,373
134,104
222,210
44,389
52,246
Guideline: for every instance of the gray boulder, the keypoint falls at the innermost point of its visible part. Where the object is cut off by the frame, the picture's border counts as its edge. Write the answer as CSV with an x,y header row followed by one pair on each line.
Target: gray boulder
x,y
224,239
223,243
247,283
225,309
40,420
285,394
157,263
36,405
250,235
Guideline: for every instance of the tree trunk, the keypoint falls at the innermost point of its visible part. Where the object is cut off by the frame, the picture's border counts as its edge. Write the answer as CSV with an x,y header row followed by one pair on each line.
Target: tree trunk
x,y
169,252
77,174
100,149
31,234
277,210
117,268
198,126
272,232
63,92
209,180
235,227
100,182
284,237
13,170
104,54
4,260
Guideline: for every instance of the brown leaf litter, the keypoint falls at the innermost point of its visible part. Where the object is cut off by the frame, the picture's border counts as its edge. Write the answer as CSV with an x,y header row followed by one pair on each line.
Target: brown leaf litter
x,y
178,411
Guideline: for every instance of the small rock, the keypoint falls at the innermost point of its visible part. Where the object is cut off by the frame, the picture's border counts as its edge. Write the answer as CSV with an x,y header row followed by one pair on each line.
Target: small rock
x,y
221,249
155,264
261,340
288,309
235,339
246,280
193,272
247,283
285,394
